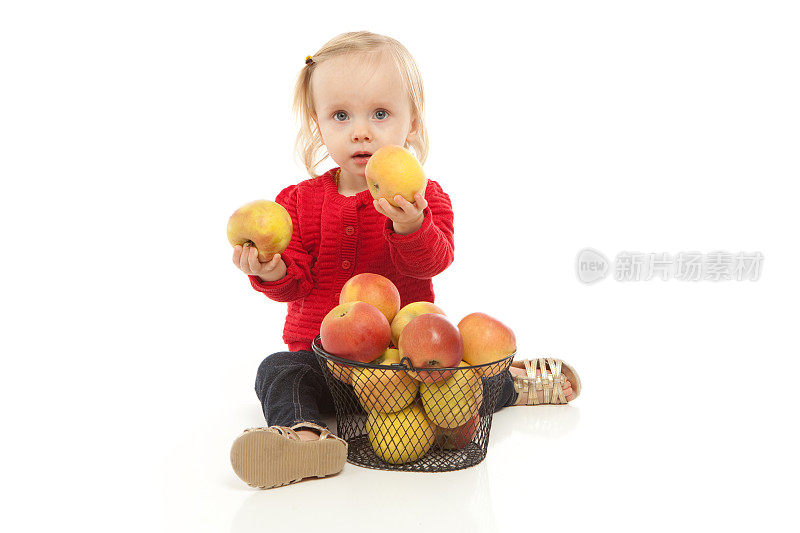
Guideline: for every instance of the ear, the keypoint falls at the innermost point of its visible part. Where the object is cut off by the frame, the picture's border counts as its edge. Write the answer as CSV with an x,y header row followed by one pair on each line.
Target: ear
x,y
413,131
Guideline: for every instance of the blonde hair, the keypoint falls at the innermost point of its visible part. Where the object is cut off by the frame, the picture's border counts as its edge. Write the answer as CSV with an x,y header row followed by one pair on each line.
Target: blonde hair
x,y
309,141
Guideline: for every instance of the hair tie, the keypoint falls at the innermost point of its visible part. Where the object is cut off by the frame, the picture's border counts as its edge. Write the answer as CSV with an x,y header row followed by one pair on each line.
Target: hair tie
x,y
309,60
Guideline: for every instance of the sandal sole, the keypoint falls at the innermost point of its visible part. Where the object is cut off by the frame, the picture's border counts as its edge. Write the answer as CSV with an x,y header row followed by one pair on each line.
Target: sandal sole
x,y
264,460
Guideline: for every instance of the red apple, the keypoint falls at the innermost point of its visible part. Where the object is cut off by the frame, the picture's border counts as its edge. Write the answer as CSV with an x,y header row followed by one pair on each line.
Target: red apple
x,y
431,341
355,331
486,340
407,314
373,289
458,437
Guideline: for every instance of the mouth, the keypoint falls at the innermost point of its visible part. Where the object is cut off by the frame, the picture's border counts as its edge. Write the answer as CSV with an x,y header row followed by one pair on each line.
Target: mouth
x,y
362,157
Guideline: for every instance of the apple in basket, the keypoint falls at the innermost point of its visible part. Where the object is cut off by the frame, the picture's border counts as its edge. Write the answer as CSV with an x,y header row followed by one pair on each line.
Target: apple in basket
x,y
373,289
486,340
340,371
400,437
458,437
386,390
264,224
407,314
355,330
451,403
431,341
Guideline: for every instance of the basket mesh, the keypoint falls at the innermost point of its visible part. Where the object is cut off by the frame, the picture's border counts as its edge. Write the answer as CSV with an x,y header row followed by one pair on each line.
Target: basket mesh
x,y
394,417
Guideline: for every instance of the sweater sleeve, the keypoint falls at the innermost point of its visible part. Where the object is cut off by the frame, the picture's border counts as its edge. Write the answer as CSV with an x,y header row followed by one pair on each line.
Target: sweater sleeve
x,y
297,282
429,250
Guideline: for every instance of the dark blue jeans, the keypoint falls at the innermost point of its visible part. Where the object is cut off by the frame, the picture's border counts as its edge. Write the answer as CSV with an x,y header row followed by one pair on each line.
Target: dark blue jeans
x,y
291,388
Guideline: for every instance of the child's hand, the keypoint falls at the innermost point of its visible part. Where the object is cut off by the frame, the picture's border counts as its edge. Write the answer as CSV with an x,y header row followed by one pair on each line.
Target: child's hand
x,y
408,217
246,260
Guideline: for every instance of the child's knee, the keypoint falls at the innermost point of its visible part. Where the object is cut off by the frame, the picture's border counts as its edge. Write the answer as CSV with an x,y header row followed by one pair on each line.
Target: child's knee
x,y
277,359
269,364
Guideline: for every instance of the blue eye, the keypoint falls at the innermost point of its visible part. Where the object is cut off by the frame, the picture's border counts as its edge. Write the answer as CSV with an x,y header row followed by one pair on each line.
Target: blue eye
x,y
381,114
340,115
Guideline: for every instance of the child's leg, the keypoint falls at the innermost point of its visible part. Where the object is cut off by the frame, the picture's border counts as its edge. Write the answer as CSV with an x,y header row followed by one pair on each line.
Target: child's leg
x,y
292,389
505,396
293,395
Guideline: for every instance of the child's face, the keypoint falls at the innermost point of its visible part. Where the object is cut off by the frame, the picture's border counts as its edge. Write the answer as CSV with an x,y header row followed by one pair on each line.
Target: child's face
x,y
360,107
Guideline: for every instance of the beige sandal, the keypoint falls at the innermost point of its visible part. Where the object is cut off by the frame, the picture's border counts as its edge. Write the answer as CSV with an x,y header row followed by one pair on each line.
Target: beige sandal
x,y
274,456
554,374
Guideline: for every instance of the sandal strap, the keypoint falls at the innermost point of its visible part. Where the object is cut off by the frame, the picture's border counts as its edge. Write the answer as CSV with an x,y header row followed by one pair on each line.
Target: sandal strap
x,y
556,381
280,430
550,381
289,432
324,433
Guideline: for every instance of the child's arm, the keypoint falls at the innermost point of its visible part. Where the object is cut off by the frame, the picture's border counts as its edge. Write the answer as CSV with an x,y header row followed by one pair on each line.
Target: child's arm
x,y
296,282
427,249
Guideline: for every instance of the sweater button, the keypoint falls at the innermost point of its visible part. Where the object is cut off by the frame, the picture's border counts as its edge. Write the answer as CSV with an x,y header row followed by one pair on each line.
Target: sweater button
x,y
345,265
349,230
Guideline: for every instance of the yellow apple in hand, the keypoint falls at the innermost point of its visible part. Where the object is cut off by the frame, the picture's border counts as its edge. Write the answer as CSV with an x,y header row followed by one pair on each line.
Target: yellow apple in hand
x,y
400,437
263,223
452,402
386,390
393,170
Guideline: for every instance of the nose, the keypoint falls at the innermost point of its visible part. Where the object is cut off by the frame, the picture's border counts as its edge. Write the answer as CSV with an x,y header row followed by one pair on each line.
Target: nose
x,y
361,132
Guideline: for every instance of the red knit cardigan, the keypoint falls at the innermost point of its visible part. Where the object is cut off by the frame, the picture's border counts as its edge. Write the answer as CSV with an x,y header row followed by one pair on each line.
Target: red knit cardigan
x,y
335,237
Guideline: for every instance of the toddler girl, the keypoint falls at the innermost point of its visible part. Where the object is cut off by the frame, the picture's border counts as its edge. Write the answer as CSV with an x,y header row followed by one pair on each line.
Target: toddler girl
x,y
359,92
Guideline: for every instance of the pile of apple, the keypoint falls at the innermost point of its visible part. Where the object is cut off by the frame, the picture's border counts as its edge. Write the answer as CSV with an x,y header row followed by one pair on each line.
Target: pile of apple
x,y
434,401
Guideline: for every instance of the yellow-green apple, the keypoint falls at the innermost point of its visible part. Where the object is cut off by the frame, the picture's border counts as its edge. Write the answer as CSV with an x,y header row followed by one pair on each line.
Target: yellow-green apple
x,y
373,289
486,340
264,224
393,170
409,312
458,437
431,341
386,390
355,331
451,403
400,437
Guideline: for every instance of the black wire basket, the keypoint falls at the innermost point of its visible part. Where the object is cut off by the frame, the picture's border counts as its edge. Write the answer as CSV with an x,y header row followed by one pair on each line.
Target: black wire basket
x,y
397,417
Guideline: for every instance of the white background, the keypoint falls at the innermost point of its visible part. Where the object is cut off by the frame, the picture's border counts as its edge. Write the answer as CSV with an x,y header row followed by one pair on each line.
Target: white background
x,y
130,131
